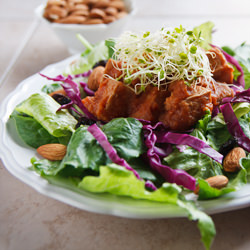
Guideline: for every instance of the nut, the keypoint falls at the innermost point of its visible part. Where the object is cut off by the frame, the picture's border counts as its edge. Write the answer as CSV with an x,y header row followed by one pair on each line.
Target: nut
x,y
79,7
93,21
109,19
111,11
80,13
55,12
53,151
73,19
231,162
102,4
60,3
97,13
84,11
217,181
95,78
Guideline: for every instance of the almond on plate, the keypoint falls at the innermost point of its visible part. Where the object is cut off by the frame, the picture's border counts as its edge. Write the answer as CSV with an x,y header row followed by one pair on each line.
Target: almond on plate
x,y
53,151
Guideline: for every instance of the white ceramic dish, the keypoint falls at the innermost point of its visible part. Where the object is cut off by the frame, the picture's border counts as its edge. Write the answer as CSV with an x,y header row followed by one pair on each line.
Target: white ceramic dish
x,y
93,33
16,158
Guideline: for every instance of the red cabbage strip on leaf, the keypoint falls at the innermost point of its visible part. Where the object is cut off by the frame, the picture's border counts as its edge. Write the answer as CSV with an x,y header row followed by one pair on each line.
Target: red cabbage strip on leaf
x,y
72,91
177,176
234,127
112,153
194,142
243,96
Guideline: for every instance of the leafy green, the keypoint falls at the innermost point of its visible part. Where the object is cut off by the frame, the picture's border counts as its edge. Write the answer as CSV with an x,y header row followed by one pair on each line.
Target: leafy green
x,y
236,181
92,55
49,88
205,31
110,43
126,136
45,167
44,109
195,163
83,152
117,180
30,131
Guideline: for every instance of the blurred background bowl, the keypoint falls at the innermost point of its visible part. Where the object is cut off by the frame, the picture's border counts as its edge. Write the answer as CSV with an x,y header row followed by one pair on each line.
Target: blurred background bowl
x,y
94,33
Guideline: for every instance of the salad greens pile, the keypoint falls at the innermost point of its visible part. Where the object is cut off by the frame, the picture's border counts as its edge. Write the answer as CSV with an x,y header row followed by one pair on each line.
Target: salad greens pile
x,y
130,157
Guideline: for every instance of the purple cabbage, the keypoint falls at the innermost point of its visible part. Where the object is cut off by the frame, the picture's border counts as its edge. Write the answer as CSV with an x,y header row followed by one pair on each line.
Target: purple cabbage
x,y
72,90
112,153
189,140
88,91
234,127
177,176
243,96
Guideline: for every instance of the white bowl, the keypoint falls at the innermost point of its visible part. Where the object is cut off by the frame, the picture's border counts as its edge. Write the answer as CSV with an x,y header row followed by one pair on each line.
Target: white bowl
x,y
94,33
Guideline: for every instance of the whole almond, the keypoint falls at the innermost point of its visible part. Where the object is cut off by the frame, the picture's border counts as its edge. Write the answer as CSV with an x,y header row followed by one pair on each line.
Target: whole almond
x,y
111,11
79,7
102,4
109,19
231,162
93,21
80,13
55,12
53,151
97,13
73,20
60,3
217,181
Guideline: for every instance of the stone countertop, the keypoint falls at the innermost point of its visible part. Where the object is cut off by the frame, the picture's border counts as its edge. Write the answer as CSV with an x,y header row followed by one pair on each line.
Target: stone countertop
x,y
31,221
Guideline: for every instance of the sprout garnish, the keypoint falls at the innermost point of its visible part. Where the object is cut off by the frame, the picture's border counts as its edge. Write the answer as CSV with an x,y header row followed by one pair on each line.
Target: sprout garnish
x,y
162,57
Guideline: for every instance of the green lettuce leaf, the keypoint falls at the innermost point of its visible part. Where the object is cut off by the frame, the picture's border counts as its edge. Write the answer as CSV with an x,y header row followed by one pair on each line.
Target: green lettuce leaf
x,y
92,55
117,180
205,31
43,108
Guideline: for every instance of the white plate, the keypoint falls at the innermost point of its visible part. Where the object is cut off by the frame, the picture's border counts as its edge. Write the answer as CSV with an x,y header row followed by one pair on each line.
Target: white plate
x,y
16,158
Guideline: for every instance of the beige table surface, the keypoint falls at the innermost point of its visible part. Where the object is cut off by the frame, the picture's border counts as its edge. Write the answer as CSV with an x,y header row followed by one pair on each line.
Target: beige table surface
x,y
31,221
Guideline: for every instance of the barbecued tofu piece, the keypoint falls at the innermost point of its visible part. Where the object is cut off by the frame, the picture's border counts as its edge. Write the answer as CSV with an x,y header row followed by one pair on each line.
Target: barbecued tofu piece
x,y
149,104
113,69
111,100
185,106
222,71
218,90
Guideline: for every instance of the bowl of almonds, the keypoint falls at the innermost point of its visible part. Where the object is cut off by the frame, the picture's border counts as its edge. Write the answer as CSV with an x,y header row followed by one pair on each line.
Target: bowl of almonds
x,y
96,20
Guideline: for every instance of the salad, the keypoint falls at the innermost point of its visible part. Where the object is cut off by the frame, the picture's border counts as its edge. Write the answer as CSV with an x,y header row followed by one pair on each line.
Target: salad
x,y
151,116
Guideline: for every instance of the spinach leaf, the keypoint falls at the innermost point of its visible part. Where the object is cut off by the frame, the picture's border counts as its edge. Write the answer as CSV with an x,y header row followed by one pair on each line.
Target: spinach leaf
x,y
125,134
49,88
30,131
83,152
